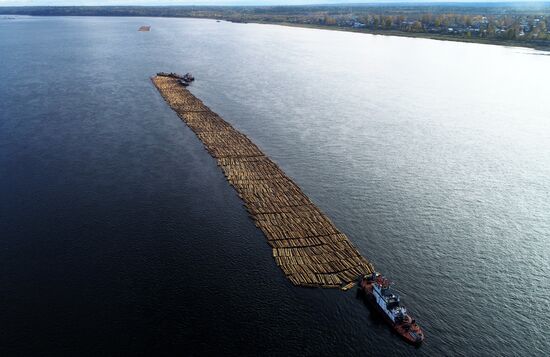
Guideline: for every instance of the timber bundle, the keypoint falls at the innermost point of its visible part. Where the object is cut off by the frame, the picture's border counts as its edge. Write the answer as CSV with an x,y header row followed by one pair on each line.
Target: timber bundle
x,y
306,245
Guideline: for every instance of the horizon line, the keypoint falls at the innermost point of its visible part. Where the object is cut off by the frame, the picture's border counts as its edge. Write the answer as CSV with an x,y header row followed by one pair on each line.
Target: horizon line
x,y
240,4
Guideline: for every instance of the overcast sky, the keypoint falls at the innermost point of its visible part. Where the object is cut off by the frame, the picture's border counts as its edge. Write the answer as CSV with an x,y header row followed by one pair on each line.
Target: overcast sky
x,y
213,2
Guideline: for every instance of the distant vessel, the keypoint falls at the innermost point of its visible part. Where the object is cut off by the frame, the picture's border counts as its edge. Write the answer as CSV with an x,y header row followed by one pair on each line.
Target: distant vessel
x,y
376,288
144,28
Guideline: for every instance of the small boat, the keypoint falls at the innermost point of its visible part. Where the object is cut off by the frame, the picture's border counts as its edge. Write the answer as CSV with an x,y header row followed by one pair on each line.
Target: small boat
x,y
188,77
378,293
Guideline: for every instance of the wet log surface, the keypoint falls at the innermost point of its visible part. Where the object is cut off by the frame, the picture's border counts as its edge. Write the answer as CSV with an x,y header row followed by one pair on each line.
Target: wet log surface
x,y
306,245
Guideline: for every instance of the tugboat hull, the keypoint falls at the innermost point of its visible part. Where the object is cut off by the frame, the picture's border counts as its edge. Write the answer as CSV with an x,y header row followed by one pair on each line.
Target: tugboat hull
x,y
406,327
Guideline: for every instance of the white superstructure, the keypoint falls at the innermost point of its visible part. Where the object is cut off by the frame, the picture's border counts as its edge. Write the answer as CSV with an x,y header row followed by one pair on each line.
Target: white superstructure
x,y
387,300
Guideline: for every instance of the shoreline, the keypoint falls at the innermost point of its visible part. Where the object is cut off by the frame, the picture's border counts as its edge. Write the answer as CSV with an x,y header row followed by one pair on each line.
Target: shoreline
x,y
422,35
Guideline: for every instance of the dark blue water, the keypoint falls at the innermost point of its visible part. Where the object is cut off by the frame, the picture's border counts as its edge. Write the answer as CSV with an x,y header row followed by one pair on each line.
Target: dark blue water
x,y
119,234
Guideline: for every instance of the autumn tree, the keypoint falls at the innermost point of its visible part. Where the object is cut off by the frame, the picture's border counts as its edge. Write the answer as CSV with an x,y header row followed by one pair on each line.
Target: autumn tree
x,y
417,27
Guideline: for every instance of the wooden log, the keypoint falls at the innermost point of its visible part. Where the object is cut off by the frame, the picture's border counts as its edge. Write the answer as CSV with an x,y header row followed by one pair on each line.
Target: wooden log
x,y
307,246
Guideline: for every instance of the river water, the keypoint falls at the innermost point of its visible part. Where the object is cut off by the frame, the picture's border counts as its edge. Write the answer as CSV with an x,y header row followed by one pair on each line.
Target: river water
x,y
119,234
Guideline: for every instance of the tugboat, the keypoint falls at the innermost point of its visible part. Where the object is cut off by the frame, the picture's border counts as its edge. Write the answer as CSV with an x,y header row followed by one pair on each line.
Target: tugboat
x,y
188,77
377,290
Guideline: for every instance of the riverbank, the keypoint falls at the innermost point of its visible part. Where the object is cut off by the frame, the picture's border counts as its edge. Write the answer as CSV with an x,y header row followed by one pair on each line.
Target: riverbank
x,y
495,42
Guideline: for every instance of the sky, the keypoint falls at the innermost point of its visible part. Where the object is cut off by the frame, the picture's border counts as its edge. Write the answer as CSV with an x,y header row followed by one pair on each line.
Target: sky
x,y
212,2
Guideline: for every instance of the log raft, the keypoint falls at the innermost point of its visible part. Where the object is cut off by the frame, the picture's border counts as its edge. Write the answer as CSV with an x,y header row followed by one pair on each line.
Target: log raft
x,y
306,245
